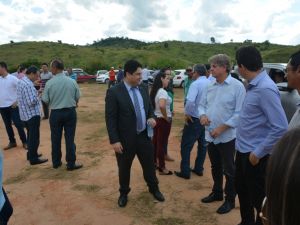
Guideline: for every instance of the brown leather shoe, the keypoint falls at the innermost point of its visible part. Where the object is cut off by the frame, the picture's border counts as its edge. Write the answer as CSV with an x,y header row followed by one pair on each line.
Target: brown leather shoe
x,y
10,145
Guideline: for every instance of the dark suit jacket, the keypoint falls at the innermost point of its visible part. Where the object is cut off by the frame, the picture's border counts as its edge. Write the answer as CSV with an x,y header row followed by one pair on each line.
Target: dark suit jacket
x,y
120,114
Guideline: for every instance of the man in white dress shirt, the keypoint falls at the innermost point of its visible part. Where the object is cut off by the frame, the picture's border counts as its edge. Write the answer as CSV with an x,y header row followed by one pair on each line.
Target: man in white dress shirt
x,y
9,108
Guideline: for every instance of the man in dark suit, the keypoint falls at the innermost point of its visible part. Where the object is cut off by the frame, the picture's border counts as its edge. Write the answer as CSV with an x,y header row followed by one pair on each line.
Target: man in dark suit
x,y
127,112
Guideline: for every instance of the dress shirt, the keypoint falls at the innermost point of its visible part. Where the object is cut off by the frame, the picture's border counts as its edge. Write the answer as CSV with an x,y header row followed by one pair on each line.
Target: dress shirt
x,y
45,76
262,118
222,103
194,96
145,74
211,78
295,121
61,92
140,100
28,100
8,90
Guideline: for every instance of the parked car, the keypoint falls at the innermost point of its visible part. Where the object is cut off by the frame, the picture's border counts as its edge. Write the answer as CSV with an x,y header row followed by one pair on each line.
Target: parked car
x,y
152,76
84,77
99,72
178,80
104,78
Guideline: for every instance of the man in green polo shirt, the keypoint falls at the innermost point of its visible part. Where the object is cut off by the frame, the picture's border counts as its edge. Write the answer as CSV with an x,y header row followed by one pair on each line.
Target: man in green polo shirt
x,y
62,95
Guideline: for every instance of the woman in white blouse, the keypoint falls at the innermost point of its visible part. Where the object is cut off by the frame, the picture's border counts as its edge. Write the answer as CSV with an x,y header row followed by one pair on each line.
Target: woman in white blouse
x,y
161,102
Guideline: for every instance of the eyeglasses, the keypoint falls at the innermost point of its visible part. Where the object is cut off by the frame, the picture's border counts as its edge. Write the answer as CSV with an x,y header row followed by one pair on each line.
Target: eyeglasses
x,y
263,213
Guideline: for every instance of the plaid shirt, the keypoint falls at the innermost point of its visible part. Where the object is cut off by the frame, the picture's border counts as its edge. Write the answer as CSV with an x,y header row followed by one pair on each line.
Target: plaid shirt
x,y
28,100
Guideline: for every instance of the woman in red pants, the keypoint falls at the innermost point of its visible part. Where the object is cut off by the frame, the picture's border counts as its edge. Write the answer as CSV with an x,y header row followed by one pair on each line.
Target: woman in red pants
x,y
161,102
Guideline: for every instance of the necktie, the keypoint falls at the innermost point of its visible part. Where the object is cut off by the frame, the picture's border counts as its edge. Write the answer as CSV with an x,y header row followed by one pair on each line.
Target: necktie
x,y
137,108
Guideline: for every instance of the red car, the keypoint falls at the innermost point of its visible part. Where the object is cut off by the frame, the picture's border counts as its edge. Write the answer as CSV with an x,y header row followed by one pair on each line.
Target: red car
x,y
84,77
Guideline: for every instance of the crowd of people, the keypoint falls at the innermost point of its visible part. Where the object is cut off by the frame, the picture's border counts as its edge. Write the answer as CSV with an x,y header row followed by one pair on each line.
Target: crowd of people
x,y
238,124
21,96
243,128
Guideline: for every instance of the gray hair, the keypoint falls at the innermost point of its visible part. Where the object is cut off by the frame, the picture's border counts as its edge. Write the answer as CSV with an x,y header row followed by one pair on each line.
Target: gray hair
x,y
221,60
200,69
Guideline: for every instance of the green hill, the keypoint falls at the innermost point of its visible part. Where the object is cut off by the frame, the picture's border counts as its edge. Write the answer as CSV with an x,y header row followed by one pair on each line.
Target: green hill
x,y
115,51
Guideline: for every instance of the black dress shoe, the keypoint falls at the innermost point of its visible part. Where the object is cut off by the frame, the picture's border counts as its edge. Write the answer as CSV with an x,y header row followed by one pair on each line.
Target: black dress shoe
x,y
158,196
57,165
10,145
122,202
226,207
212,198
180,174
200,174
39,155
38,161
74,167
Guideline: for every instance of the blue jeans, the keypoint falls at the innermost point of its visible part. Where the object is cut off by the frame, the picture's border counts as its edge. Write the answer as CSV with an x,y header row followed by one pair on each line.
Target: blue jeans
x,y
63,119
10,114
192,132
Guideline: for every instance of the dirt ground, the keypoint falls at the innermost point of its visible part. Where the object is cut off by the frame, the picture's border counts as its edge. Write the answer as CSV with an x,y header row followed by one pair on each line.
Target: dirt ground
x,y
44,196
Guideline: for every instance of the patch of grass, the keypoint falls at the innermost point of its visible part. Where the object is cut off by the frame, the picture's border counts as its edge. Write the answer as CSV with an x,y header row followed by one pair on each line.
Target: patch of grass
x,y
21,177
89,188
169,221
57,174
144,206
91,154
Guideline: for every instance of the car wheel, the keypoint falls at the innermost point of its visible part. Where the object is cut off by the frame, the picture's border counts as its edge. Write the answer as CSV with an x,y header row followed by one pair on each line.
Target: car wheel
x,y
182,84
106,81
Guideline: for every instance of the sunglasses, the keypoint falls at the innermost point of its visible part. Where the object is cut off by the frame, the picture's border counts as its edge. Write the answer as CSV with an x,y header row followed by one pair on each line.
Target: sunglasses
x,y
263,213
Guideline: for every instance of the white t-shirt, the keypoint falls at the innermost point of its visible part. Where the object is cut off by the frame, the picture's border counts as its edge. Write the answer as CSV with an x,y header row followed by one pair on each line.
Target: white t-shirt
x,y
162,94
145,74
8,90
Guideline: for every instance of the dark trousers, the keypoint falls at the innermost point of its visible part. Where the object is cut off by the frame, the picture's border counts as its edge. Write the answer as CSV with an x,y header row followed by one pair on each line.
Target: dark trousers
x,y
45,110
10,114
33,128
6,211
166,146
192,132
144,151
250,187
160,140
222,162
63,119
111,83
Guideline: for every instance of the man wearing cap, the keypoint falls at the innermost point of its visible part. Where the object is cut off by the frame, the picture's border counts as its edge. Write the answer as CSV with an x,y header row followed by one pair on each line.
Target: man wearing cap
x,y
112,77
193,131
220,106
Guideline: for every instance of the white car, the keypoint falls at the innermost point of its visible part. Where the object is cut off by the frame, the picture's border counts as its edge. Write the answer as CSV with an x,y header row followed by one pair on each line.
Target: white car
x,y
104,78
180,75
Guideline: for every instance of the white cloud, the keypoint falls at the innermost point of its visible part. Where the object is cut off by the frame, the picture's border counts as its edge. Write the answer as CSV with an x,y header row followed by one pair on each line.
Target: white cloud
x,y
83,21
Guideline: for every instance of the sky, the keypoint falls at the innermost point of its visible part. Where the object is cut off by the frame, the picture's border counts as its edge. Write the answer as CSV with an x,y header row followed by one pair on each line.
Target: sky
x,y
84,21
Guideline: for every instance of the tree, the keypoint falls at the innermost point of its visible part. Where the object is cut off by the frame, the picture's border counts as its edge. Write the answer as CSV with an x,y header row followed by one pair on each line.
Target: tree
x,y
212,40
166,45
11,41
59,41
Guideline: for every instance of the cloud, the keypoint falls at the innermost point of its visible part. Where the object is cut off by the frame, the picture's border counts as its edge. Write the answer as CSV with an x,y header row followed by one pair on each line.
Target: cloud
x,y
41,29
37,10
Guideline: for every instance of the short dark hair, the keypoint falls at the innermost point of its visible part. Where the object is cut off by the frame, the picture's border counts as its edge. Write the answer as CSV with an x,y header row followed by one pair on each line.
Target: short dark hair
x,y
32,69
3,65
200,69
58,64
207,66
131,66
249,57
21,68
295,60
45,64
283,181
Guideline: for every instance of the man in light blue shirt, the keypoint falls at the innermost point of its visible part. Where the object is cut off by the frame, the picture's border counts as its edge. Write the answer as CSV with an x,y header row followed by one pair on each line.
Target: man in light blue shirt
x,y
262,122
193,131
219,108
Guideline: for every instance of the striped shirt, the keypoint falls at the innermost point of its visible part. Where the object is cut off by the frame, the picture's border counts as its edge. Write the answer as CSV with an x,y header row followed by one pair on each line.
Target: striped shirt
x,y
28,100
